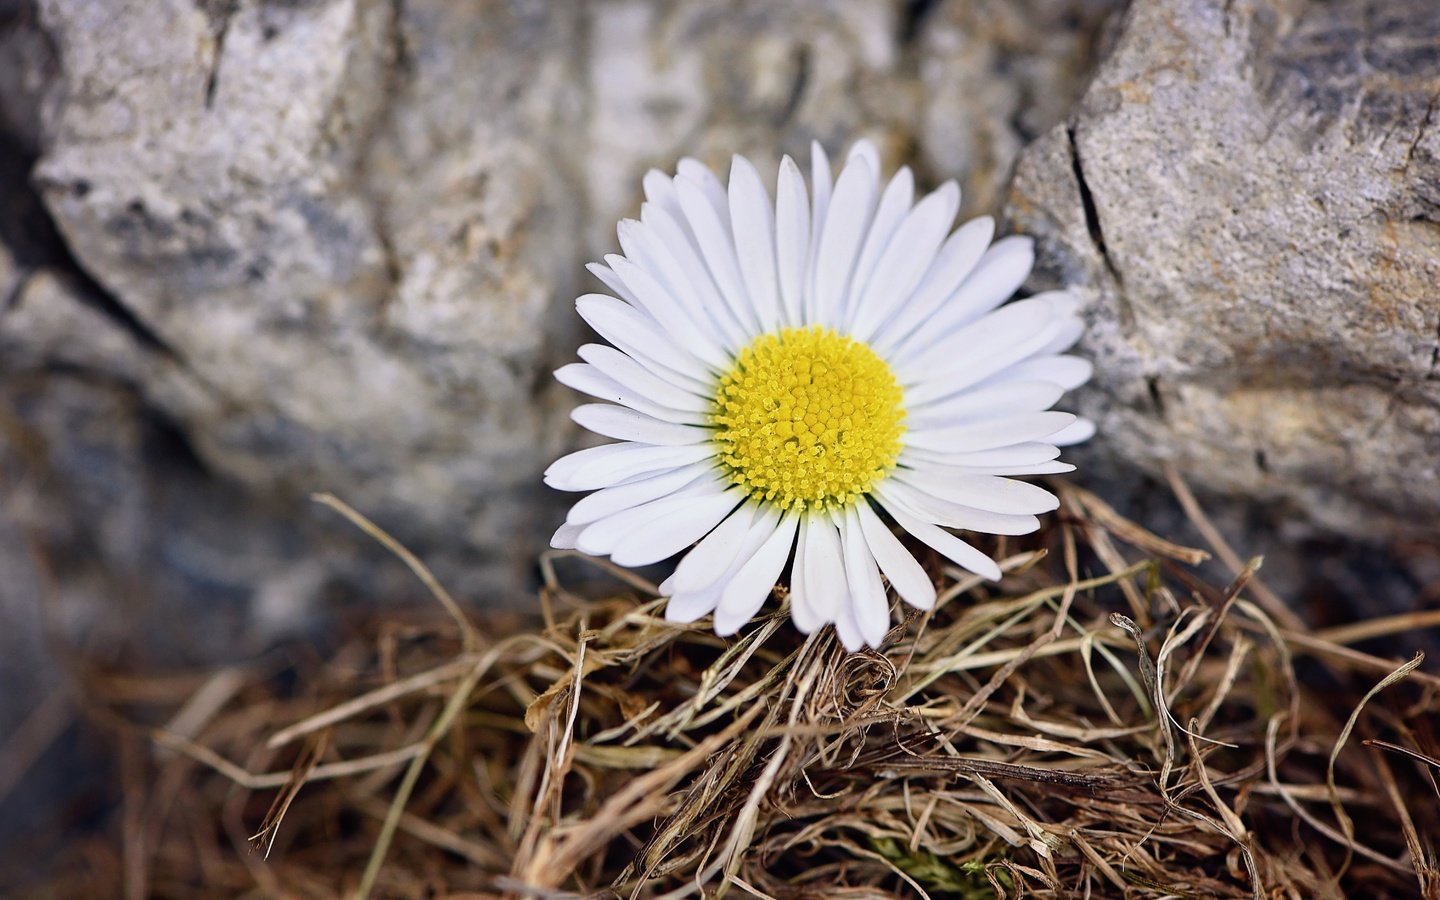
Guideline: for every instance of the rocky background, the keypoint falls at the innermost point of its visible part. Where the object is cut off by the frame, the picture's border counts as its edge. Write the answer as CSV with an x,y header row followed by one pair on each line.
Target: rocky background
x,y
251,249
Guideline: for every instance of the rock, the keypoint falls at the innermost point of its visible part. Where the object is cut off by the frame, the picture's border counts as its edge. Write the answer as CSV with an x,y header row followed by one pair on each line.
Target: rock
x,y
338,248
689,79
994,76
1246,193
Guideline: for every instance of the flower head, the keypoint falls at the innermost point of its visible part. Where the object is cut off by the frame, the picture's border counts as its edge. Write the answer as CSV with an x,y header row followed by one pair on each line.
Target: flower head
x,y
780,374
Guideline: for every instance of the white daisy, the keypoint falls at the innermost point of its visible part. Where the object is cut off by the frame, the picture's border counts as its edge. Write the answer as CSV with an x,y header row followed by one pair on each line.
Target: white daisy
x,y
783,373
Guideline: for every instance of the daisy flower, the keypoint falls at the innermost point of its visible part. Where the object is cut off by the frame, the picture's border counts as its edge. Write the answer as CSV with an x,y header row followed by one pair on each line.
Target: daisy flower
x,y
784,376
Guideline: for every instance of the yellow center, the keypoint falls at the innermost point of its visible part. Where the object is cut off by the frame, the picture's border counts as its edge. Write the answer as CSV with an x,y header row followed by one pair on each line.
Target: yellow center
x,y
807,418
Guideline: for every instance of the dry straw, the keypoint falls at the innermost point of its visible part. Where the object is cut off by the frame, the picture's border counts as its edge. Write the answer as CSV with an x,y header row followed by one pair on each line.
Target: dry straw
x,y
1104,723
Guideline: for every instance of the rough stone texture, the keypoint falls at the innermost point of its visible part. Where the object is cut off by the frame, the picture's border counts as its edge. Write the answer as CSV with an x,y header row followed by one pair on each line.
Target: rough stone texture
x,y
995,75
335,238
1248,192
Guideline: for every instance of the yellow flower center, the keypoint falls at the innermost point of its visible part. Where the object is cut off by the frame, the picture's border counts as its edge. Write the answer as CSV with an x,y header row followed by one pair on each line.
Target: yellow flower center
x,y
807,418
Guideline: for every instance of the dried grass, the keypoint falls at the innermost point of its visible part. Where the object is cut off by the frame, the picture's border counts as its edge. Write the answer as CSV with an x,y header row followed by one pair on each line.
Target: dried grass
x,y
1103,723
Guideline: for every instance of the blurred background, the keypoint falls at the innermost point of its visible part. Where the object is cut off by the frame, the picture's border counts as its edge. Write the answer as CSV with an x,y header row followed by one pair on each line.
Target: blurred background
x,y
251,249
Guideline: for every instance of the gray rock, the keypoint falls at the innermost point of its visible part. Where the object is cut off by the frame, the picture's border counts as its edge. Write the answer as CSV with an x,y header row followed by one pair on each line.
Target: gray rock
x,y
335,228
994,75
1247,193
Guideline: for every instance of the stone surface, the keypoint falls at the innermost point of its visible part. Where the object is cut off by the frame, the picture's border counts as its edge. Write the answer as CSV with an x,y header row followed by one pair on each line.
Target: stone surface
x,y
996,75
1247,194
333,227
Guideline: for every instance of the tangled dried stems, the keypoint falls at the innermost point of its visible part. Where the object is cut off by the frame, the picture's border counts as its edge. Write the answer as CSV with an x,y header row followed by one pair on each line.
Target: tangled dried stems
x,y
1103,723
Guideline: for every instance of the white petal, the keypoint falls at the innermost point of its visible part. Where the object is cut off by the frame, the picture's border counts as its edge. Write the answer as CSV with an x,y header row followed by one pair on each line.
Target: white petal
x,y
753,224
953,375
631,374
864,149
564,537
906,574
718,250
704,565
792,239
686,608
803,611
868,603
997,276
1065,338
1049,468
983,402
824,568
660,193
984,435
672,241
659,250
941,541
603,535
895,203
699,174
641,339
1020,453
625,424
671,313
1063,302
608,501
953,264
908,257
613,282
612,464
820,188
1046,468
567,465
747,590
988,492
589,380
1067,371
845,226
820,185
968,348
664,536
1076,432
943,510
846,628
708,597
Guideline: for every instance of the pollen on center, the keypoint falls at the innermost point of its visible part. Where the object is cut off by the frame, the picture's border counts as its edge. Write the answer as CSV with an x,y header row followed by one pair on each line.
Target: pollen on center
x,y
807,418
